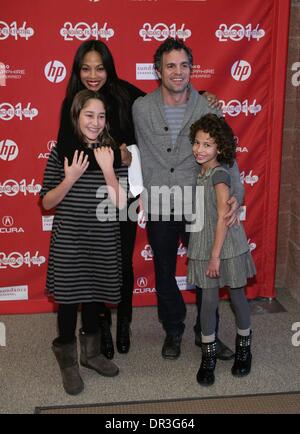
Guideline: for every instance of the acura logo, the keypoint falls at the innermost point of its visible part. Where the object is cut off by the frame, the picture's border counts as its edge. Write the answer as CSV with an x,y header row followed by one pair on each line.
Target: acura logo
x,y
51,144
7,221
142,282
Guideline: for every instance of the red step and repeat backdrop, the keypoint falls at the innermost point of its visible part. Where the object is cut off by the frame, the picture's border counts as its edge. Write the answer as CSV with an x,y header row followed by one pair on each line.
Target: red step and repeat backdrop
x,y
240,55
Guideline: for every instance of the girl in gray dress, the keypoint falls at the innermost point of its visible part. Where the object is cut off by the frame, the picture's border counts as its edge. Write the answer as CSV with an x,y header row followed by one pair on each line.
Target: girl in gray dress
x,y
219,255
85,250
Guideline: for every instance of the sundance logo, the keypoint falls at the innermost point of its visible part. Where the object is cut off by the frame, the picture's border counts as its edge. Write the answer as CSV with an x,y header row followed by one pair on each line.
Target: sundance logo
x,y
8,111
19,292
182,283
7,72
84,31
249,179
237,32
17,260
15,31
235,107
11,187
8,150
145,71
161,31
55,71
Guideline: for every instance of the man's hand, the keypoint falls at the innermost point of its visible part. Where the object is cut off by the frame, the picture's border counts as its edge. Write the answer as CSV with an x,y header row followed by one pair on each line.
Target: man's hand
x,y
212,100
126,156
233,214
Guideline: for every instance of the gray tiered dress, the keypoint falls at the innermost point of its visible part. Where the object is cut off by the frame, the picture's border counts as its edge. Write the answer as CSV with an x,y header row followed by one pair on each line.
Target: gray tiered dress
x,y
236,261
85,254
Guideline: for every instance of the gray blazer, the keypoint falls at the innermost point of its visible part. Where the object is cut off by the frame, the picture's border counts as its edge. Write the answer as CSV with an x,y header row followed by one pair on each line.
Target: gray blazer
x,y
165,164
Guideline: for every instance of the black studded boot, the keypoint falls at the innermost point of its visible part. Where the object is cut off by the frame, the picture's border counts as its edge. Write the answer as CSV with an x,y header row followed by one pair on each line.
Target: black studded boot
x,y
205,375
243,356
107,345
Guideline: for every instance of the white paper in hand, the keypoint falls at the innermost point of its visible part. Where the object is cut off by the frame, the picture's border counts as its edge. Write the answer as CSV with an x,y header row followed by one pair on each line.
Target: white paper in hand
x,y
135,176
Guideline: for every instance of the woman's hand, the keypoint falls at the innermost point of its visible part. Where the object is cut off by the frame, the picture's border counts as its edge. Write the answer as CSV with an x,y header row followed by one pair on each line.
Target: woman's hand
x,y
126,155
77,168
233,214
212,100
104,157
141,214
213,268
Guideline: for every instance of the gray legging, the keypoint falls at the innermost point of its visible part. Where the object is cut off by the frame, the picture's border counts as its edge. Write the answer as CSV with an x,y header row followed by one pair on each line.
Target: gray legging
x,y
210,300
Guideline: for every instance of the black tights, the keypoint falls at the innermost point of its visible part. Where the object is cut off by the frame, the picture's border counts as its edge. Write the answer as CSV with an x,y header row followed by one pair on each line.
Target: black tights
x,y
67,320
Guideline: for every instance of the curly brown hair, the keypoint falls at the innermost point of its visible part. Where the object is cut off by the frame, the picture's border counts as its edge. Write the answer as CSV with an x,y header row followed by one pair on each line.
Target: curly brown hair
x,y
221,132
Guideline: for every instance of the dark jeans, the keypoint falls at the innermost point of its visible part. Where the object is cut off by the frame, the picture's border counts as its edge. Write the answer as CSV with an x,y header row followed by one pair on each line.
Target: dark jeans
x,y
128,235
164,237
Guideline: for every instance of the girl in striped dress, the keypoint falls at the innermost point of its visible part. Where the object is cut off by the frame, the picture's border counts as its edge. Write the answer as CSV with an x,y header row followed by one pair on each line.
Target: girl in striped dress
x,y
85,252
219,255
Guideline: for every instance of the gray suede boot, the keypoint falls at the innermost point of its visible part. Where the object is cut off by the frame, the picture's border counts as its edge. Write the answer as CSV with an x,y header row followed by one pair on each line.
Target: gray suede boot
x,y
66,355
91,357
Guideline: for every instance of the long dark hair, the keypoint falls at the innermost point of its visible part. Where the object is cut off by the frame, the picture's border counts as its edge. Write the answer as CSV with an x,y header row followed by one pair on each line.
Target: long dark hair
x,y
113,85
79,102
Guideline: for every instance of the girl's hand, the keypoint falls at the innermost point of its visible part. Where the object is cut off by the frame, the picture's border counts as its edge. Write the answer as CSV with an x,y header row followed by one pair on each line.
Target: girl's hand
x,y
213,268
104,157
212,100
77,168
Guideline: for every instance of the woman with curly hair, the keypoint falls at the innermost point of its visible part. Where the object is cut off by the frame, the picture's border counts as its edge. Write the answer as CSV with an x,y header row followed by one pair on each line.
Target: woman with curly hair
x,y
219,255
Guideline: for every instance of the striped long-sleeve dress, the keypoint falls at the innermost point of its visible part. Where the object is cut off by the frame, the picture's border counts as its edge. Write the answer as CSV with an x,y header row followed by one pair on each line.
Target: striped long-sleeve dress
x,y
85,253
